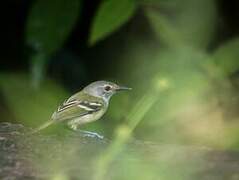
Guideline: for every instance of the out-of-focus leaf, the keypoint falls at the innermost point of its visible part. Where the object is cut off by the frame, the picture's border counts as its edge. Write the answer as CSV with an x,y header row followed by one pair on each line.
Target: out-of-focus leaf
x,y
182,22
30,106
227,57
50,22
111,15
162,27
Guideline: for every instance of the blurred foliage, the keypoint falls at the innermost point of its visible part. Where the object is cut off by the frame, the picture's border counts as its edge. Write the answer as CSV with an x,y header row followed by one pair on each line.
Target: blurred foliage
x,y
50,23
226,57
186,22
111,15
48,26
184,76
30,106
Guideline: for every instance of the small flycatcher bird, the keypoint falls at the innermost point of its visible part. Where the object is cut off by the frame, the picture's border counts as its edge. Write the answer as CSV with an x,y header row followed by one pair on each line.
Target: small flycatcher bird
x,y
86,106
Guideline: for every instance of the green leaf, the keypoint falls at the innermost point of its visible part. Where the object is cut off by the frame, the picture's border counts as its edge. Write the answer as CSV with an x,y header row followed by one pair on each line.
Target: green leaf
x,y
227,56
30,106
50,22
111,15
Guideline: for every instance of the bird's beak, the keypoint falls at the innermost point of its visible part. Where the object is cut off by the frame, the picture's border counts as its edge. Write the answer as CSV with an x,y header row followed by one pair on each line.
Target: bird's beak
x,y
122,88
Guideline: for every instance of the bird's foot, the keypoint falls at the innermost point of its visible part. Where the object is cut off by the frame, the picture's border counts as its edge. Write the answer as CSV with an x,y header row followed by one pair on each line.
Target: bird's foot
x,y
91,134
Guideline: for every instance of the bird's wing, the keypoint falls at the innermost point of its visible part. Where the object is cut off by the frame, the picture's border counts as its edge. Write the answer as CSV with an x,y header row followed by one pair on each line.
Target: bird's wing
x,y
74,107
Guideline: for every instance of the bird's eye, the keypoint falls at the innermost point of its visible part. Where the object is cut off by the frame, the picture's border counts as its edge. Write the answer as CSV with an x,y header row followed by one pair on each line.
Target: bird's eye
x,y
107,88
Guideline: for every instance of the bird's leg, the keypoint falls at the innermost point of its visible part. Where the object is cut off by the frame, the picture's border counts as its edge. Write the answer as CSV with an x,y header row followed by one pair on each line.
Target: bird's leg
x,y
75,127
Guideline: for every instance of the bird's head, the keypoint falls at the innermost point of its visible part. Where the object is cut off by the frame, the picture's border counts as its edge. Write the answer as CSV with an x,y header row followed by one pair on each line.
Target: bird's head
x,y
104,89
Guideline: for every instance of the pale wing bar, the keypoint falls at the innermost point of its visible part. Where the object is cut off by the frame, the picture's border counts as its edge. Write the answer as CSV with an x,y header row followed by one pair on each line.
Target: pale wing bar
x,y
87,106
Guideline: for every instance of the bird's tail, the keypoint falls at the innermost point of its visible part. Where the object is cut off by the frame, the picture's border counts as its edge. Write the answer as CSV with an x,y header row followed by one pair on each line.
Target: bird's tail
x,y
43,126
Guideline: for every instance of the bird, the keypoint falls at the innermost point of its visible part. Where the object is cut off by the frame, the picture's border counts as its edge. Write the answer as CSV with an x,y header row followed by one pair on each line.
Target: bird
x,y
86,106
